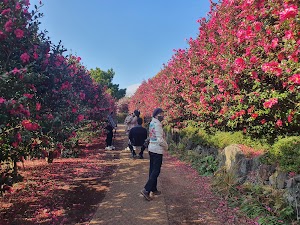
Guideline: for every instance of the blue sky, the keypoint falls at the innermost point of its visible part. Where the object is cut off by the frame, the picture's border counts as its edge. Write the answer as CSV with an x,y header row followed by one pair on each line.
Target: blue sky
x,y
133,37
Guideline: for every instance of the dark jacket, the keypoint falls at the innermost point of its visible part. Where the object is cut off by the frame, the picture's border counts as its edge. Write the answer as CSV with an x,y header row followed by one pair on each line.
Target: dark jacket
x,y
138,135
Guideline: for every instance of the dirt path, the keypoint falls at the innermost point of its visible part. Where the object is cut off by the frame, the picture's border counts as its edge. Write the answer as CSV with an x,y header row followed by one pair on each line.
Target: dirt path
x,y
186,197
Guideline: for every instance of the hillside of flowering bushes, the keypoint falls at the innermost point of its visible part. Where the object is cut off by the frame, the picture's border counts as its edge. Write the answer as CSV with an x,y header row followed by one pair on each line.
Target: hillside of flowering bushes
x,y
242,72
45,96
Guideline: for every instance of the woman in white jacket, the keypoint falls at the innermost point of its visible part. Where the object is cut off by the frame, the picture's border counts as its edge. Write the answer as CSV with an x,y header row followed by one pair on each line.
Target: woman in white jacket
x,y
156,148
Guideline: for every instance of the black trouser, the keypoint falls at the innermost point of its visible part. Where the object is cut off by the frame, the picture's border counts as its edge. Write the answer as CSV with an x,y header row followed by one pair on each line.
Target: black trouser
x,y
133,152
109,137
154,171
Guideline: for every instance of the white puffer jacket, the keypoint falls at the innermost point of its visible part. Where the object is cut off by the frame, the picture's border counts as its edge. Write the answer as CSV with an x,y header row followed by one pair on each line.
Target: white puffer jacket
x,y
158,143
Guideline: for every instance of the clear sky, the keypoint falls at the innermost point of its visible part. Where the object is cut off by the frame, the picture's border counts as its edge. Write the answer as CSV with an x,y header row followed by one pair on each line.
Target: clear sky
x,y
133,37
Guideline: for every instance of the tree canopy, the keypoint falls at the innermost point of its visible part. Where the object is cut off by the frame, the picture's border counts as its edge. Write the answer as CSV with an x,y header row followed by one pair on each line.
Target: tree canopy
x,y
105,78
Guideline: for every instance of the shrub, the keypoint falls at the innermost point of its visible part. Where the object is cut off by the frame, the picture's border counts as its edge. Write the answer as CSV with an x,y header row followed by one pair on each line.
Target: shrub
x,y
286,152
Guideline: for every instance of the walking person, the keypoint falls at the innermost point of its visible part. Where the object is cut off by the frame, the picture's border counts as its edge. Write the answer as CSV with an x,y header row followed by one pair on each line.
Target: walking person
x,y
111,125
156,148
137,137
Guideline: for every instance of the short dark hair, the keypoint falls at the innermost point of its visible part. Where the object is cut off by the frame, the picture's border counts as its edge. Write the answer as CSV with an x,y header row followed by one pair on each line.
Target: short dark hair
x,y
139,121
136,112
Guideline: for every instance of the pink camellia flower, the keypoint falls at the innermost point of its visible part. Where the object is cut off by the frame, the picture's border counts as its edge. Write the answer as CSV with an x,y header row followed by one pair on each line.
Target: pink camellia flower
x,y
82,95
15,71
2,100
25,57
240,65
269,103
8,26
80,117
2,35
38,106
274,43
50,116
35,55
18,6
290,11
295,79
279,123
28,95
19,33
19,137
5,12
257,26
272,67
289,34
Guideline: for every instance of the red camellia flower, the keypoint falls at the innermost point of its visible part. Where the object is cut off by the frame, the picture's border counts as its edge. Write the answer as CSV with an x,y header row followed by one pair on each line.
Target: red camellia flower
x,y
254,115
28,125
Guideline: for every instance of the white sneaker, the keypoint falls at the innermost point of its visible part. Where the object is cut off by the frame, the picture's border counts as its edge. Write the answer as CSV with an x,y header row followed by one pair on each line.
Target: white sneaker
x,y
113,147
108,148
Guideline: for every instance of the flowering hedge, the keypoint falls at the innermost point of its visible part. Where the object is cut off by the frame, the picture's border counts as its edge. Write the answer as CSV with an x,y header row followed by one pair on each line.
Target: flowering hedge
x,y
242,72
44,96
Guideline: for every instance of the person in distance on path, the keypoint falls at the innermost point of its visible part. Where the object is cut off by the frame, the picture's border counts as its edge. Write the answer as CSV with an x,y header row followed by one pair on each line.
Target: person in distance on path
x,y
156,148
111,125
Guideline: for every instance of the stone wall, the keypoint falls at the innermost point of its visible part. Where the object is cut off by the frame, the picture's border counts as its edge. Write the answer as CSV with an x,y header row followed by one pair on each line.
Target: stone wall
x,y
250,169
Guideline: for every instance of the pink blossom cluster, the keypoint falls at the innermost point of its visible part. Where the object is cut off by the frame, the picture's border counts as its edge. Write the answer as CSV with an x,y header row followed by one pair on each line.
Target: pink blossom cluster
x,y
245,56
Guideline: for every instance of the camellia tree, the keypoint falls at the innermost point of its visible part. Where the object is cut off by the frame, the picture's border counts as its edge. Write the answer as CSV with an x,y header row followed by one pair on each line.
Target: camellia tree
x,y
44,96
240,74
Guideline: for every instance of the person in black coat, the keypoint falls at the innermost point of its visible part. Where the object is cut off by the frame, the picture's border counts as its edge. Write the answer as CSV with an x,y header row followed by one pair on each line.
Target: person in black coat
x,y
137,137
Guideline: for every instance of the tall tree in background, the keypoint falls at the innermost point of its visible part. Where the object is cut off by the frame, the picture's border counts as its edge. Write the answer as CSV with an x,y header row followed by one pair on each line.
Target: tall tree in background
x,y
105,78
